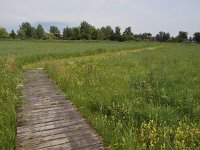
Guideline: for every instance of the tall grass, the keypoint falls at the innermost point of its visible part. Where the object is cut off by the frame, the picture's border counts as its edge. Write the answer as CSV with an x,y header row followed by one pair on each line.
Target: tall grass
x,y
57,48
144,100
15,54
9,96
147,100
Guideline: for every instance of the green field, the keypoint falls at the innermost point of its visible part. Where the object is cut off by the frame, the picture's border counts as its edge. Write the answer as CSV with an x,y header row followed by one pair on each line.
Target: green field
x,y
138,95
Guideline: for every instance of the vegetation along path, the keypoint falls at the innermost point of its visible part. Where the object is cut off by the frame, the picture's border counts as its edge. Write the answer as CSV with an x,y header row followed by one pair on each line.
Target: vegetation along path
x,y
46,120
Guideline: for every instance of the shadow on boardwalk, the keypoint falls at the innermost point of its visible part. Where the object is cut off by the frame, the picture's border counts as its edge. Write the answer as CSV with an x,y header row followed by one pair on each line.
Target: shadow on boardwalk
x,y
46,120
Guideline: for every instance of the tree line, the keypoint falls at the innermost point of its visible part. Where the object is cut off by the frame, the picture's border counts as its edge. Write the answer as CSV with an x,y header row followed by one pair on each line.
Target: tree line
x,y
85,31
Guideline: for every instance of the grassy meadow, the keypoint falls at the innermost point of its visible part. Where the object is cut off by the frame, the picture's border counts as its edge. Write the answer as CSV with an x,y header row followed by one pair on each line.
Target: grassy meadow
x,y
15,54
138,95
142,100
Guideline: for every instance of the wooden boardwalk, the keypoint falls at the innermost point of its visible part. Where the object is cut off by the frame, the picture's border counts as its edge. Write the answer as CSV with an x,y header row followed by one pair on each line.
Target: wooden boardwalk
x,y
47,121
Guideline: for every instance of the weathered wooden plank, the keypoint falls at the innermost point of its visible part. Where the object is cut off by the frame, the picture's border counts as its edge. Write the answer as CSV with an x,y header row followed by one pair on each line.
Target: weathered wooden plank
x,y
55,126
44,119
72,139
49,125
58,147
48,121
67,131
53,142
45,113
59,122
50,105
49,110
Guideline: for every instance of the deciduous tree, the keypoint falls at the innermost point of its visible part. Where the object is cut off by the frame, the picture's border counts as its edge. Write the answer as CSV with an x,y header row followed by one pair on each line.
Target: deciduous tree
x,y
54,30
94,33
12,34
183,36
3,32
109,32
102,33
162,37
117,34
76,33
68,33
128,35
85,30
39,31
197,37
25,30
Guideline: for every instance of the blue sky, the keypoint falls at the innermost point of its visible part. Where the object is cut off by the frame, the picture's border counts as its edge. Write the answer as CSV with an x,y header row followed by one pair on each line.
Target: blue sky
x,y
142,15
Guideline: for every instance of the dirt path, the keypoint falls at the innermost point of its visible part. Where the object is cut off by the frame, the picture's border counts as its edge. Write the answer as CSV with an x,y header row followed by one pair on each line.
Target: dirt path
x,y
46,120
94,56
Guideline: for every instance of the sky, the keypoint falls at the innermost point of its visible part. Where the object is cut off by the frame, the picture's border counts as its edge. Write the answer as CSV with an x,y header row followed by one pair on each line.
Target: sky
x,y
141,15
